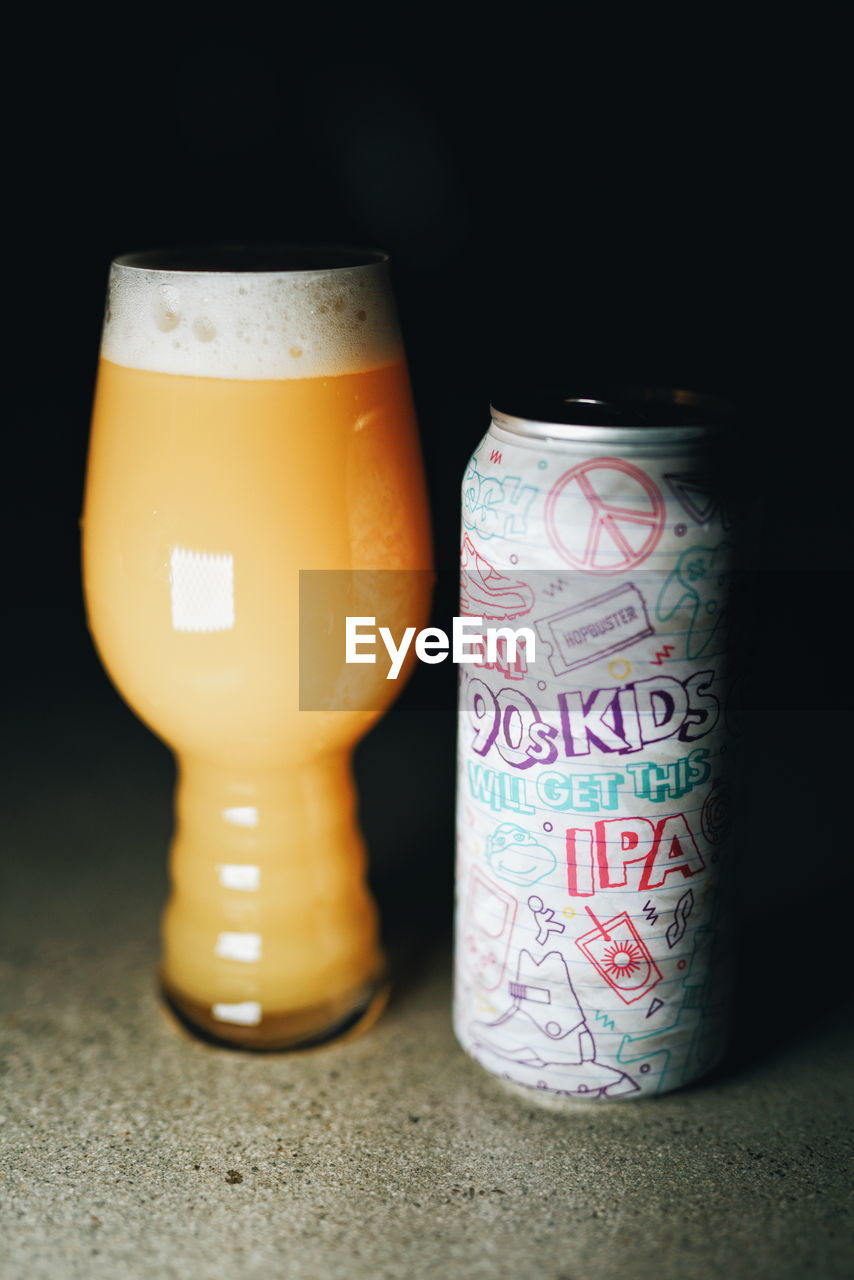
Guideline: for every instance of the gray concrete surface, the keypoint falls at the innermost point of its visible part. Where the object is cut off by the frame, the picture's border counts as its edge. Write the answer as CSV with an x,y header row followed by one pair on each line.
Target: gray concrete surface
x,y
127,1149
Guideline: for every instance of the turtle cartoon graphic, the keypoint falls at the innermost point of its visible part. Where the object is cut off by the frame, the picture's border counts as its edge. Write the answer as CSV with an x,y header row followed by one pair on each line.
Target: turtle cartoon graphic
x,y
516,856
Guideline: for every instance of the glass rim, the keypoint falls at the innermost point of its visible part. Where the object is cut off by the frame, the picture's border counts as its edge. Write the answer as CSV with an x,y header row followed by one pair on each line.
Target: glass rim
x,y
261,258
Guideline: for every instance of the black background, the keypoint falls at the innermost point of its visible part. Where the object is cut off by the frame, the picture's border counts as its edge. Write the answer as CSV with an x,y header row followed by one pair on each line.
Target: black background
x,y
557,210
652,212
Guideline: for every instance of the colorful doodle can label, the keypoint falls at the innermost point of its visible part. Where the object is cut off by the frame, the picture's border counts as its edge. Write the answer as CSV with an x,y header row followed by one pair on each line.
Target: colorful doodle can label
x,y
592,825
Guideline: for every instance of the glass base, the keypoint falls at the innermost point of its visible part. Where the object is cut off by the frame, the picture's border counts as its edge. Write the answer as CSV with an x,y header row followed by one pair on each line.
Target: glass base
x,y
301,1029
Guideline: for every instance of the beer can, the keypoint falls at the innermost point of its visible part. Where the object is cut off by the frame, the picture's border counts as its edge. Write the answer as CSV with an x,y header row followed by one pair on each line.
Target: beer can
x,y
591,957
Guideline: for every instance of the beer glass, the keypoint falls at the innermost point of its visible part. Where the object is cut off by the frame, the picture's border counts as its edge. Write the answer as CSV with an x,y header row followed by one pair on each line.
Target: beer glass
x,y
252,419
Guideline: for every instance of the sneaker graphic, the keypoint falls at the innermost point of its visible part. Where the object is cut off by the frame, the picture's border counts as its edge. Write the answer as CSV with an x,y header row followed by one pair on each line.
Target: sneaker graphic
x,y
536,1027
544,1029
487,593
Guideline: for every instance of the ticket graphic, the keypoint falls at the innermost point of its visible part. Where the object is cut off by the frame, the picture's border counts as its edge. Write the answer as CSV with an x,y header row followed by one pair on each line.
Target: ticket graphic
x,y
595,628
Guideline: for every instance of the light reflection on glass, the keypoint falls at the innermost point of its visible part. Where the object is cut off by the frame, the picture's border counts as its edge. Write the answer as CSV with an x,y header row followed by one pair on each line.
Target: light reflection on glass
x,y
239,875
239,946
242,815
201,587
246,1014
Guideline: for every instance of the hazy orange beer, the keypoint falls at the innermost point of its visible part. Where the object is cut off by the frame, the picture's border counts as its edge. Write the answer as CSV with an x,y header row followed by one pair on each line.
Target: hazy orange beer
x,y
252,419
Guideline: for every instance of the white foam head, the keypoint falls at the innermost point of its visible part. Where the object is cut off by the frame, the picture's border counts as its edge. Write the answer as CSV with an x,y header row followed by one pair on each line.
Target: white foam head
x,y
209,320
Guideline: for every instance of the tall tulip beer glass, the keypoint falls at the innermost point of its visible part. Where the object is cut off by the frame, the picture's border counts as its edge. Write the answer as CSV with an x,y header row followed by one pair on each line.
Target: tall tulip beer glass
x,y
252,419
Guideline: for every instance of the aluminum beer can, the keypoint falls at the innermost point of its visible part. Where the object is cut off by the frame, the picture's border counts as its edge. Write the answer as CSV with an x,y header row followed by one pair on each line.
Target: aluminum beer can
x,y
591,957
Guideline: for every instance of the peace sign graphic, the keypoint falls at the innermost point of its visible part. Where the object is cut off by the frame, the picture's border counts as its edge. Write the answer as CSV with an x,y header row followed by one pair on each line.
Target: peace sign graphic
x,y
604,515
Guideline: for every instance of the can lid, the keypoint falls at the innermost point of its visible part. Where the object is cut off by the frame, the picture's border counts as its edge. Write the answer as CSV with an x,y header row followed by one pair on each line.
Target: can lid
x,y
611,413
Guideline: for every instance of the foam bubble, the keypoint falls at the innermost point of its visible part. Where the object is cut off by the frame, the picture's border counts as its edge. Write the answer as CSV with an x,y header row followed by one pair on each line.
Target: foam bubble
x,y
246,324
